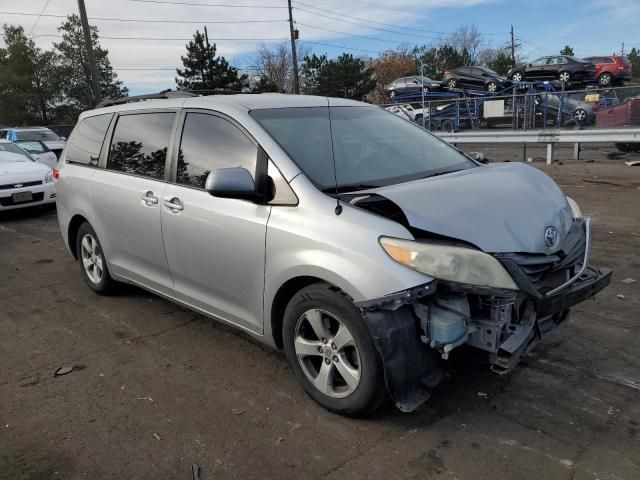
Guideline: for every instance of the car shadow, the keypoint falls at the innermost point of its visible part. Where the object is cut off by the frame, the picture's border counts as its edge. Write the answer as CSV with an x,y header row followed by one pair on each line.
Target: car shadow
x,y
28,213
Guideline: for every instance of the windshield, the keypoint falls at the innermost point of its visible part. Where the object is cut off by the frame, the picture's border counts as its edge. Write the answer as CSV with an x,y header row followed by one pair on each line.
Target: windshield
x,y
10,148
32,146
372,147
44,135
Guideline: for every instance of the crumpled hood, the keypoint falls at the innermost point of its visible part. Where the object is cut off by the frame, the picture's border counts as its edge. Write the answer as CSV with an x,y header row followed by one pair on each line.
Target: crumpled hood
x,y
500,208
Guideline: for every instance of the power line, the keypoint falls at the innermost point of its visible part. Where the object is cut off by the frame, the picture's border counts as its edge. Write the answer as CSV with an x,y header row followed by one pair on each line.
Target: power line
x,y
107,19
346,34
366,26
172,39
380,23
39,16
195,4
340,46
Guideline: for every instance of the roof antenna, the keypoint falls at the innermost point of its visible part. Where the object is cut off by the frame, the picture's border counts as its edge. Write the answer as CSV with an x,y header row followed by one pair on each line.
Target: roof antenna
x,y
338,209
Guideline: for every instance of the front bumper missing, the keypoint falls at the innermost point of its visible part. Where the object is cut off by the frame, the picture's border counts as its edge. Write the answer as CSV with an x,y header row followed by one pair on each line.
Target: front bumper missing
x,y
412,368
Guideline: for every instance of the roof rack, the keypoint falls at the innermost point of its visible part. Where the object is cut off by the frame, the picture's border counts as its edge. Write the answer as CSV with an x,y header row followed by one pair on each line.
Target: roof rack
x,y
164,94
150,96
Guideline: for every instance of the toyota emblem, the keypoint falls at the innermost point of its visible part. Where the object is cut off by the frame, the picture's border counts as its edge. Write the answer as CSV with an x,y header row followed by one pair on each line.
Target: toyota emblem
x,y
551,237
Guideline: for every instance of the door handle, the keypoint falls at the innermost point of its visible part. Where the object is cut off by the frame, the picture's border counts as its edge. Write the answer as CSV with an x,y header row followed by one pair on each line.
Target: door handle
x,y
174,204
148,197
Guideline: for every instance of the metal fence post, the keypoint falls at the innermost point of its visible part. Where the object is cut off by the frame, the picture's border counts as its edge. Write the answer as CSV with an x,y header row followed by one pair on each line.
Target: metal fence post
x,y
576,151
549,153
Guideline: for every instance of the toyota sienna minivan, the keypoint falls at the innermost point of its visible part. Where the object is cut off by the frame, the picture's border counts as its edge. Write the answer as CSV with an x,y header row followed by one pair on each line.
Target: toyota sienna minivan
x,y
360,244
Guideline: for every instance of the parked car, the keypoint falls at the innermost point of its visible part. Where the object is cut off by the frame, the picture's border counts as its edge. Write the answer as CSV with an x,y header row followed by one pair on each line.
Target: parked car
x,y
626,113
39,151
573,106
408,112
475,77
611,69
564,68
23,181
42,134
414,85
365,247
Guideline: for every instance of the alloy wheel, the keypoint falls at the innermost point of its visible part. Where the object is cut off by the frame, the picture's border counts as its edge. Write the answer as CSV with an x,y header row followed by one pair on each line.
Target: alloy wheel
x,y
564,77
492,87
605,79
92,260
327,353
516,77
392,94
452,83
580,115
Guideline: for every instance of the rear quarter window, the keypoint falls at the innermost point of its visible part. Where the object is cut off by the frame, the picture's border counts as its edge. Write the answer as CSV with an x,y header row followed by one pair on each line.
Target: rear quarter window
x,y
86,141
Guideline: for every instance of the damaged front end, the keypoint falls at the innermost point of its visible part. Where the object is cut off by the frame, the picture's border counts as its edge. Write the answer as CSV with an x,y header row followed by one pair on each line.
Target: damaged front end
x,y
415,330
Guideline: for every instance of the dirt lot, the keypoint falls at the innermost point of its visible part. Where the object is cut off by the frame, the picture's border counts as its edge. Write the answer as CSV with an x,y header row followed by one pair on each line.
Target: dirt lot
x,y
156,387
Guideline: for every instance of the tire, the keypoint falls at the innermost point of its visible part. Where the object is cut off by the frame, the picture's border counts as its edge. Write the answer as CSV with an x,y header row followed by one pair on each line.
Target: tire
x,y
331,312
564,77
492,87
452,83
447,126
605,80
425,90
92,261
517,77
392,94
580,115
433,126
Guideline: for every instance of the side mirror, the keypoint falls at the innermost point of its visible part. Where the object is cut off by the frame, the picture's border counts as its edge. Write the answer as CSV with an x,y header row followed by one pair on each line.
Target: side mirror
x,y
234,182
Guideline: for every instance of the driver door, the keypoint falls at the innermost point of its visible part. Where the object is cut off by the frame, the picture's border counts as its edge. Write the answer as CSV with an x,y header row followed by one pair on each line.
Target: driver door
x,y
215,246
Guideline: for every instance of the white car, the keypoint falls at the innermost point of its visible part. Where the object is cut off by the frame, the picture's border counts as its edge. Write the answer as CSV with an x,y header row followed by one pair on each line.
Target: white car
x,y
39,151
407,111
42,134
23,181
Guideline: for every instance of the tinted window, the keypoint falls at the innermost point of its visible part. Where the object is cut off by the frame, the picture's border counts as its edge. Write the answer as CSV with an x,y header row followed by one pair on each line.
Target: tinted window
x,y
44,135
361,154
139,144
210,142
86,140
540,61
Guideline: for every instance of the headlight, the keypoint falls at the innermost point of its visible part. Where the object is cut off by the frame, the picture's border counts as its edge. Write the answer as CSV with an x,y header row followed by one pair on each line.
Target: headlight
x,y
456,264
575,209
48,178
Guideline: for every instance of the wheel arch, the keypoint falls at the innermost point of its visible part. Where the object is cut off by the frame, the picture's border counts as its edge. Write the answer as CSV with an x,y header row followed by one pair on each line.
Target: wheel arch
x,y
72,233
282,297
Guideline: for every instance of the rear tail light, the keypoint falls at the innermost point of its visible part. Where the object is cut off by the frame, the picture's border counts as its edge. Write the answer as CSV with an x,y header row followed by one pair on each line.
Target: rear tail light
x,y
56,174
447,72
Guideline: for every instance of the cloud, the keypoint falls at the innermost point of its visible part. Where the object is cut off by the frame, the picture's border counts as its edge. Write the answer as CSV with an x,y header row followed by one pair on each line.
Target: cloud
x,y
127,55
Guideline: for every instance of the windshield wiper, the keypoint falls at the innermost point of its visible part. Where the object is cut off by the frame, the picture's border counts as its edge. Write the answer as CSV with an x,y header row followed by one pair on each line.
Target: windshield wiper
x,y
437,174
349,188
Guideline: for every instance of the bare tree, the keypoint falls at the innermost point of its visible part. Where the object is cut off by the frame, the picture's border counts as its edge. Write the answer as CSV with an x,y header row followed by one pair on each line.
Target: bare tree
x,y
467,37
273,63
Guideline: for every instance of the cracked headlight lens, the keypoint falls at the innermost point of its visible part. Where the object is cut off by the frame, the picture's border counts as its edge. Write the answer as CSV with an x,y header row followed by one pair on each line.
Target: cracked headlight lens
x,y
575,209
456,264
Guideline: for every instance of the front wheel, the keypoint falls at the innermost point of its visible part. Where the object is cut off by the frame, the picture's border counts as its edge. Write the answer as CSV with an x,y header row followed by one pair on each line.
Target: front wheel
x,y
517,77
580,115
564,77
93,263
452,83
392,94
331,351
492,87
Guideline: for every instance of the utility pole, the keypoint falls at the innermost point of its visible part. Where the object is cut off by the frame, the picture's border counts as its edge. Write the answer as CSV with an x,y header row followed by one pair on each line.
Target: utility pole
x,y
622,51
513,47
95,81
294,56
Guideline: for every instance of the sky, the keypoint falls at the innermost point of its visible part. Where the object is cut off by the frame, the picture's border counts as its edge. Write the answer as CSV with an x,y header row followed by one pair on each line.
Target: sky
x,y
360,27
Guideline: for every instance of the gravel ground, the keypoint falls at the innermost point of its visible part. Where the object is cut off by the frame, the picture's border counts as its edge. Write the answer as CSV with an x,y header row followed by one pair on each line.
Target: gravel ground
x,y
156,387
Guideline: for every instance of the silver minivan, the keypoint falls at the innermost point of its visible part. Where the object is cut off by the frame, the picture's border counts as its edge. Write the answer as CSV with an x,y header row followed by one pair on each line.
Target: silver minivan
x,y
360,244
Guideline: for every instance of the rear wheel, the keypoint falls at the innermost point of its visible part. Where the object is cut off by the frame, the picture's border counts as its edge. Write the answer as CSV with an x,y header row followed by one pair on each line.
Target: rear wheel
x,y
580,115
564,77
92,261
452,83
517,77
605,79
447,126
492,87
392,94
331,351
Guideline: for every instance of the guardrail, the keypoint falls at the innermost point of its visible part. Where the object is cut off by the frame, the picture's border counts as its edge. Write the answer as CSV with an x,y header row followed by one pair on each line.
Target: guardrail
x,y
548,137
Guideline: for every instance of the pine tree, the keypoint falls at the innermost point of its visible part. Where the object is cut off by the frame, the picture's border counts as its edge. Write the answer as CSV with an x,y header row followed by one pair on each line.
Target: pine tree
x,y
345,77
203,70
567,50
75,72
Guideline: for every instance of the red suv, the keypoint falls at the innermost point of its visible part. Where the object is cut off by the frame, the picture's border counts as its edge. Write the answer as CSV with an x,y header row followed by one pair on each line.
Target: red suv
x,y
610,70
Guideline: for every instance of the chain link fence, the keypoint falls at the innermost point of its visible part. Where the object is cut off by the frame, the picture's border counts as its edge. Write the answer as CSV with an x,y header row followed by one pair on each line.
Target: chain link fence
x,y
524,109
